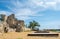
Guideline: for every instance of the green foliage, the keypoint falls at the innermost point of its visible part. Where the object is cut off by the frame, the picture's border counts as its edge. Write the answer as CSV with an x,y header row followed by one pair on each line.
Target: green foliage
x,y
54,30
33,24
2,17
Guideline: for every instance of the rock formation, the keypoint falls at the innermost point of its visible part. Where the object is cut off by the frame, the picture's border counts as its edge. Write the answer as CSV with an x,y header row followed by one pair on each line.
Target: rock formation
x,y
10,23
20,26
3,25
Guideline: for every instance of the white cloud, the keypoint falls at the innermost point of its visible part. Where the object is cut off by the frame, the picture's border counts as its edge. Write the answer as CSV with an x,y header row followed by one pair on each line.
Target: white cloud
x,y
22,13
50,4
36,2
46,4
5,12
23,18
32,7
17,4
26,13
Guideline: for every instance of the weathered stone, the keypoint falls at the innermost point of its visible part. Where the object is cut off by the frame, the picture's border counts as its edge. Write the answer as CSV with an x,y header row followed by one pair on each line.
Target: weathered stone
x,y
3,27
14,23
3,24
10,23
11,20
20,24
11,30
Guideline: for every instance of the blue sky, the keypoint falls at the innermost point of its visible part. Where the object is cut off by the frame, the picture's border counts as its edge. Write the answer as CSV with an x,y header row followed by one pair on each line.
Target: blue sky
x,y
46,12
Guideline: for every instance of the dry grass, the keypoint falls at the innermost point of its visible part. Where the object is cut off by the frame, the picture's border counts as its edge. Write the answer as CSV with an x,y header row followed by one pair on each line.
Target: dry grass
x,y
22,35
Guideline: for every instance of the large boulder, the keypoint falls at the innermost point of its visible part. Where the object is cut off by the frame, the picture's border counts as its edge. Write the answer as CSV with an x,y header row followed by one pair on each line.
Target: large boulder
x,y
1,28
4,27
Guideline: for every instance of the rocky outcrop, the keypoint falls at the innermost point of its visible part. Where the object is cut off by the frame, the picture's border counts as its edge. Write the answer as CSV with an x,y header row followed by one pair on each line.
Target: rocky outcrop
x,y
14,23
4,27
3,24
20,25
10,23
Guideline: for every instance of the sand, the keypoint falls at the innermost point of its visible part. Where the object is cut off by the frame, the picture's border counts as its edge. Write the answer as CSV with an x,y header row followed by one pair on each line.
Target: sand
x,y
23,35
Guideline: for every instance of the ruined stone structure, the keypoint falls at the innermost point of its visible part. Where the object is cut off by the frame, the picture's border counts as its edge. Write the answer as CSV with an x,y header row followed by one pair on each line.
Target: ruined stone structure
x,y
10,24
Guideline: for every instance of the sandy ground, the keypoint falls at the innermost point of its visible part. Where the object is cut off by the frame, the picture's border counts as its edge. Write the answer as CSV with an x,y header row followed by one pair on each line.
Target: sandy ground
x,y
23,35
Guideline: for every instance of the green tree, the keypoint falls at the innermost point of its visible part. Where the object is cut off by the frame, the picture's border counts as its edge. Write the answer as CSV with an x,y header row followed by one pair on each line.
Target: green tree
x,y
33,24
2,17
